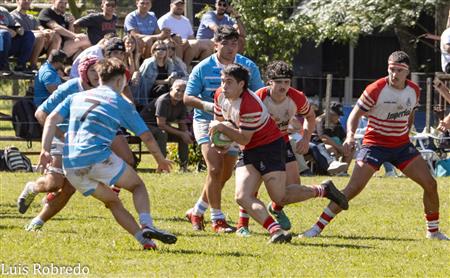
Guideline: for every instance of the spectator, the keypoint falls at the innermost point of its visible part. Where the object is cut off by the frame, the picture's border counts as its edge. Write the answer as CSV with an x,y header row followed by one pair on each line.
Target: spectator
x,y
333,135
161,113
48,78
157,74
99,24
56,18
14,41
97,50
142,24
179,66
45,39
445,48
222,15
187,47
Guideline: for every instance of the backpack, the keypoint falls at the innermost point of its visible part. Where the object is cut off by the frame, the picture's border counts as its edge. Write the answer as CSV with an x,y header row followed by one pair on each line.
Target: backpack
x,y
12,160
442,168
25,124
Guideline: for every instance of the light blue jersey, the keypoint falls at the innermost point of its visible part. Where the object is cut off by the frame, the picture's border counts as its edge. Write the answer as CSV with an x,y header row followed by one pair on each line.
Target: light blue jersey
x,y
64,90
94,118
205,80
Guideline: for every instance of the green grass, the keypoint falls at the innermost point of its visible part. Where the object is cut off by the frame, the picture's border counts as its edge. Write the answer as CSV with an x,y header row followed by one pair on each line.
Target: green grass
x,y
381,235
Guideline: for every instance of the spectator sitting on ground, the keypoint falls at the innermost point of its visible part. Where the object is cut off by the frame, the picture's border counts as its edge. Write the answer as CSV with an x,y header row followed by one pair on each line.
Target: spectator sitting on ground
x,y
97,50
99,24
56,18
179,66
223,15
157,74
45,39
48,77
188,47
333,135
161,113
14,41
142,24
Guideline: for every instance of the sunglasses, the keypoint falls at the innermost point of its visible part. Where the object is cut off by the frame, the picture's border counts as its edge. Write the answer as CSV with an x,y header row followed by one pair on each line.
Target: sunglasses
x,y
160,48
222,5
110,5
171,47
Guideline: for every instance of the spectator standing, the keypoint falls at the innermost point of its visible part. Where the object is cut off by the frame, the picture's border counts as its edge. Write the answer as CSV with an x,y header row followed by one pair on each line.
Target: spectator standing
x,y
14,41
45,39
161,113
142,24
48,78
57,19
99,24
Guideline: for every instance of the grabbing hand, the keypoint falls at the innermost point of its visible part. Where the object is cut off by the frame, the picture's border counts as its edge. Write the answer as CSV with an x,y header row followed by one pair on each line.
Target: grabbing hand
x,y
348,146
302,146
164,166
45,159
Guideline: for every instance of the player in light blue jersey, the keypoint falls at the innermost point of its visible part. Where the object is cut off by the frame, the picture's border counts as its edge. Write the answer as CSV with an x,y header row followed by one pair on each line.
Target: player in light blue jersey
x,y
203,82
88,161
54,180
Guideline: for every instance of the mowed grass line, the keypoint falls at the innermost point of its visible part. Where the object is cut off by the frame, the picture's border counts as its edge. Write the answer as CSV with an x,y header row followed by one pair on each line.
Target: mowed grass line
x,y
381,235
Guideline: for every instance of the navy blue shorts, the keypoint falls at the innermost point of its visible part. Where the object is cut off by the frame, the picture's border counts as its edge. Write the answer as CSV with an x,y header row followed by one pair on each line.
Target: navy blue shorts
x,y
267,158
290,155
400,157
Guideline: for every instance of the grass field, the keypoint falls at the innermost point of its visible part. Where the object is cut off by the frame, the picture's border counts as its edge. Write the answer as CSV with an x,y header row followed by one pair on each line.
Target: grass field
x,y
381,235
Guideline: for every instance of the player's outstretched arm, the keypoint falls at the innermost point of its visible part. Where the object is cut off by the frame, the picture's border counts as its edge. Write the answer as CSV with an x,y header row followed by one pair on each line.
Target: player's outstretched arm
x,y
150,142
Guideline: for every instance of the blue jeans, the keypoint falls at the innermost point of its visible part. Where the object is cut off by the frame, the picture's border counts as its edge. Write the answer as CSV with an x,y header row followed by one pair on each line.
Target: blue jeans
x,y
19,46
5,46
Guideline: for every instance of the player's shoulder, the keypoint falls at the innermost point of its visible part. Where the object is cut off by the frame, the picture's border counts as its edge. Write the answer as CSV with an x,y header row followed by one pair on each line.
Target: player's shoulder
x,y
262,93
413,85
376,86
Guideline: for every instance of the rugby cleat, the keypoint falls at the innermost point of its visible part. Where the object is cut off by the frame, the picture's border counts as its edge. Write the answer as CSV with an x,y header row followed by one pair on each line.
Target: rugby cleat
x,y
313,232
333,194
437,235
26,198
221,226
280,236
161,235
243,232
149,245
197,222
281,217
33,227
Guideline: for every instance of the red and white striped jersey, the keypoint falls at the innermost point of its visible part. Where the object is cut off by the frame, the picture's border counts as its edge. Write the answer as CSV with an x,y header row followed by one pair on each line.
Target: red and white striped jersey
x,y
388,110
294,104
248,113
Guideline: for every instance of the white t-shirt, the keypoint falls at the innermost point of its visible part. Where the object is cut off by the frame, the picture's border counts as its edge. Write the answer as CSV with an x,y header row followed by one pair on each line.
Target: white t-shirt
x,y
180,26
94,50
445,57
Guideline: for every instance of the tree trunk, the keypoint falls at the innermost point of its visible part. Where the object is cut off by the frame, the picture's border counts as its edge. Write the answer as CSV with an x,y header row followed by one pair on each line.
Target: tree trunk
x,y
404,38
77,10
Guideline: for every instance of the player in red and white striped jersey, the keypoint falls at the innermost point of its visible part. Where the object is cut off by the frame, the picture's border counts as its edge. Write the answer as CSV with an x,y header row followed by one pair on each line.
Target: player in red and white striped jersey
x,y
389,104
284,103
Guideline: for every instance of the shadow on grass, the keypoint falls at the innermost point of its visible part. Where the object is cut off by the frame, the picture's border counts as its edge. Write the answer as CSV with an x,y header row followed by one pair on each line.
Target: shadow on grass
x,y
370,238
196,252
350,246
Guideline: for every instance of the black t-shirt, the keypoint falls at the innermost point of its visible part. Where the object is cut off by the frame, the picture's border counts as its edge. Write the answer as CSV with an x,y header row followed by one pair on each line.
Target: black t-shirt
x,y
47,15
161,89
162,107
97,26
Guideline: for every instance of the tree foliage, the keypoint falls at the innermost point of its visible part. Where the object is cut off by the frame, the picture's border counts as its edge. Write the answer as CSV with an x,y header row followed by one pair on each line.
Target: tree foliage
x,y
275,31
